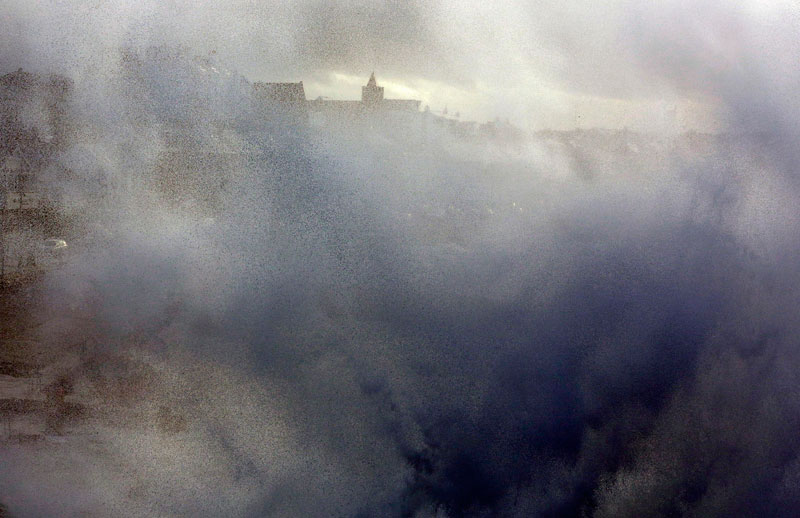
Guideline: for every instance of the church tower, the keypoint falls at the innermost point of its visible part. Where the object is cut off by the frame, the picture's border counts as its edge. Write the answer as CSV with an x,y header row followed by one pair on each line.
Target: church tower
x,y
372,93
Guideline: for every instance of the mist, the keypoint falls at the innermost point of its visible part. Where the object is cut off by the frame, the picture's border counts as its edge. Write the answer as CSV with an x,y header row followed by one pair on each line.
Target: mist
x,y
266,314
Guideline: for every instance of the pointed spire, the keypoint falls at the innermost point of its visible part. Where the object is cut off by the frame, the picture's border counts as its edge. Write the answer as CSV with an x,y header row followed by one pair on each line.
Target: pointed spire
x,y
372,93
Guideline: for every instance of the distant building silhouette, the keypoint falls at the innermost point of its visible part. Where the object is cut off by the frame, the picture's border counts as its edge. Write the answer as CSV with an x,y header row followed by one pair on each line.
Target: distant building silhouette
x,y
280,92
372,101
373,110
289,99
372,93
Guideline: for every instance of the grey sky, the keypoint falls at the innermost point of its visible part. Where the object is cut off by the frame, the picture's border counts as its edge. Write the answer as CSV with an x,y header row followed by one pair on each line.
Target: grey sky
x,y
540,64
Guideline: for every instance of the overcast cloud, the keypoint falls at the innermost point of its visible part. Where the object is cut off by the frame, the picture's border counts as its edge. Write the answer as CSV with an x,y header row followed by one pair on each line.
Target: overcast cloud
x,y
390,323
538,63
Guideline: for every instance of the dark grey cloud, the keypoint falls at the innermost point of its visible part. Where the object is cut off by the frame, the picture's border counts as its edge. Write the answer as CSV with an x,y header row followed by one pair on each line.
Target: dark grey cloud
x,y
554,52
384,326
358,36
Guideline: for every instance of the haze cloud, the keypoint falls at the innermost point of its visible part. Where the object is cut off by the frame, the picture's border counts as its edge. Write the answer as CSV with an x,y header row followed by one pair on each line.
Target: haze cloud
x,y
550,64
379,324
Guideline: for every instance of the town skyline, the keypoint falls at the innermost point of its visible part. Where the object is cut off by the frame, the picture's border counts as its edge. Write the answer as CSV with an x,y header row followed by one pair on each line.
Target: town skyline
x,y
566,67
